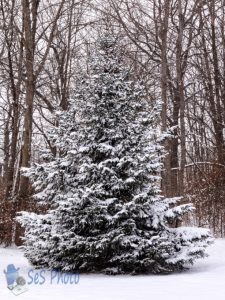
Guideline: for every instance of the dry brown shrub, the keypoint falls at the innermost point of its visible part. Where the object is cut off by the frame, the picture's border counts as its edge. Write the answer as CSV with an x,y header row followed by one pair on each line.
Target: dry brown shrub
x,y
207,193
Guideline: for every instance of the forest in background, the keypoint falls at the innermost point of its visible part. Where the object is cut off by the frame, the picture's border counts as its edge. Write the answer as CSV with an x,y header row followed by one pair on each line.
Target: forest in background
x,y
177,48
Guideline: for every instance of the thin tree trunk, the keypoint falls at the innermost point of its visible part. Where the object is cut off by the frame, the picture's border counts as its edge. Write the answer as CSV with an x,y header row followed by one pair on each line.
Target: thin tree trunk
x,y
180,90
166,176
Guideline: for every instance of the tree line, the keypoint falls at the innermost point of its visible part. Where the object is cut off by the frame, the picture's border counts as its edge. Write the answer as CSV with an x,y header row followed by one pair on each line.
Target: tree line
x,y
176,47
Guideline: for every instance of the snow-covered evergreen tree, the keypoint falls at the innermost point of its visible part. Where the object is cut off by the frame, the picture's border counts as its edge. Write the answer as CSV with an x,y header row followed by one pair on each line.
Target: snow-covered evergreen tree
x,y
106,213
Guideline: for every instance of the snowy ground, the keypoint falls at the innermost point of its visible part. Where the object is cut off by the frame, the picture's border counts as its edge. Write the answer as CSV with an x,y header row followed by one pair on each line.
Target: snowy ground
x,y
205,281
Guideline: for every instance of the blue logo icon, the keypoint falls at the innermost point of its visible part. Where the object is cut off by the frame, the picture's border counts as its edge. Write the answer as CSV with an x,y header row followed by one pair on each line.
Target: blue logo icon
x,y
15,282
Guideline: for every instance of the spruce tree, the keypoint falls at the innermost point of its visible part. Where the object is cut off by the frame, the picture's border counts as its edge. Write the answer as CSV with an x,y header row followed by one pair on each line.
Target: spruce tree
x,y
106,213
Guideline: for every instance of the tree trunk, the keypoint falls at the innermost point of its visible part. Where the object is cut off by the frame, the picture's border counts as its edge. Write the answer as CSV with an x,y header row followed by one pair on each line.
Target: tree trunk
x,y
166,176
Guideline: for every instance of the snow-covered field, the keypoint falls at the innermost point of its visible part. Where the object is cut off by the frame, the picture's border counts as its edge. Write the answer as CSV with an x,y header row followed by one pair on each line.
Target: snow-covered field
x,y
204,281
